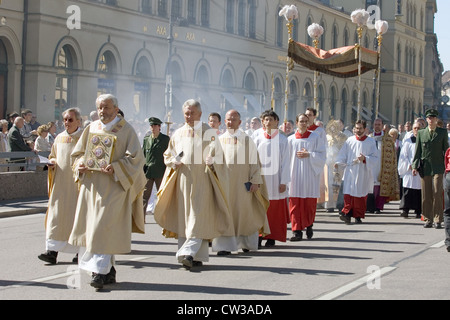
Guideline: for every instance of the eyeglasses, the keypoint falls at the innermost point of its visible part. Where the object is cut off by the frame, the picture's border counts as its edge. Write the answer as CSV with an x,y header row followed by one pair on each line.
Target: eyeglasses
x,y
69,120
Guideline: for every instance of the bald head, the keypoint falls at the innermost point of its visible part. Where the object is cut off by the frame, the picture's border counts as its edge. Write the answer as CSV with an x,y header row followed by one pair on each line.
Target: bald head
x,y
233,120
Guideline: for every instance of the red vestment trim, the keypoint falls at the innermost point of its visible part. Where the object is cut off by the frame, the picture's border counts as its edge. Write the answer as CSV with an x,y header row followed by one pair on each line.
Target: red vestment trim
x,y
305,135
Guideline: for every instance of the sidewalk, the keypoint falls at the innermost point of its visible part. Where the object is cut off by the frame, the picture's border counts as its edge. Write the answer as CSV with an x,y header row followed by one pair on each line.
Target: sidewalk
x,y
22,207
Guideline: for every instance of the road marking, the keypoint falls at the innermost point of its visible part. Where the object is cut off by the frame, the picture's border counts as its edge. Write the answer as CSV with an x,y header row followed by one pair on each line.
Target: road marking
x,y
353,285
439,244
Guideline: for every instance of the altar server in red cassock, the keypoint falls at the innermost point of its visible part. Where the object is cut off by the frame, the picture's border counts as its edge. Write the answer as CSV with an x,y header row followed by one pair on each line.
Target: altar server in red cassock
x,y
308,156
274,155
359,155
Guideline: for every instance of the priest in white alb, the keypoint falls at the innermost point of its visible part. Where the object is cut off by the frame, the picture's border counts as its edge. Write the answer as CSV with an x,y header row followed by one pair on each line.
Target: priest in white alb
x,y
359,156
192,204
308,157
273,152
246,189
63,190
107,162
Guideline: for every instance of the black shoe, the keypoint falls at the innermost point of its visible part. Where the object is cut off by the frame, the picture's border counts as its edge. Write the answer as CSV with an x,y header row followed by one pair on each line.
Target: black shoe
x,y
309,232
345,218
448,249
97,280
197,264
438,225
270,243
75,259
358,220
188,262
49,256
110,278
298,236
404,214
428,224
224,253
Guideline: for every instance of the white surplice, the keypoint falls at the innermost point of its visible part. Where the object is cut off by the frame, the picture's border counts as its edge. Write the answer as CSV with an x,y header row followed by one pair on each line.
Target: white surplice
x,y
358,176
404,166
275,162
306,172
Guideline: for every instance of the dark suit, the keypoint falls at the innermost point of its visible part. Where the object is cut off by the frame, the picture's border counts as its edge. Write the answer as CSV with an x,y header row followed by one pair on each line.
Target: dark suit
x,y
154,167
430,151
17,144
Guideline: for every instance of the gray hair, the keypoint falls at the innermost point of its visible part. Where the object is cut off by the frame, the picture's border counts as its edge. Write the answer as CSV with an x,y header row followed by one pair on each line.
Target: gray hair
x,y
106,97
74,110
192,103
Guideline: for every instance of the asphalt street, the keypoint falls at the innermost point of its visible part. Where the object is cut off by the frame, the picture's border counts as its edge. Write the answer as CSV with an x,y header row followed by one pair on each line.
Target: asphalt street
x,y
385,258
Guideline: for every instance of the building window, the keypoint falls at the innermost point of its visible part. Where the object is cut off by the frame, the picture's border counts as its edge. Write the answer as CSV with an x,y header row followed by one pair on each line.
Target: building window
x,y
241,17
64,80
346,37
227,79
142,87
191,10
249,82
202,76
344,106
252,20
335,37
146,6
107,67
309,40
175,11
111,2
230,16
162,8
333,99
280,28
205,13
3,79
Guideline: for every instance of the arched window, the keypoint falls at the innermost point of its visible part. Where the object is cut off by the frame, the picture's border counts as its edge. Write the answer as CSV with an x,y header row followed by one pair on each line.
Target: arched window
x,y
227,79
202,76
307,97
309,40
346,37
321,100
142,87
344,101
278,96
335,36
280,28
3,79
249,82
333,100
64,81
107,67
292,102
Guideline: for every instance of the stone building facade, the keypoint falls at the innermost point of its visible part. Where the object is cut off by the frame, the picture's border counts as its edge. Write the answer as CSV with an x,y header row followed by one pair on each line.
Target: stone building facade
x,y
155,54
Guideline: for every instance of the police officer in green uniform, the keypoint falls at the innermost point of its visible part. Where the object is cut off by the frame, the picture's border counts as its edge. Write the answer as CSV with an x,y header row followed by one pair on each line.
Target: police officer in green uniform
x,y
154,146
431,145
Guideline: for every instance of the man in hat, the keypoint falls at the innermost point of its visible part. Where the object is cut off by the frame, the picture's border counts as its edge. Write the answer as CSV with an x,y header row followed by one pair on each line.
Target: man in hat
x,y
154,146
431,145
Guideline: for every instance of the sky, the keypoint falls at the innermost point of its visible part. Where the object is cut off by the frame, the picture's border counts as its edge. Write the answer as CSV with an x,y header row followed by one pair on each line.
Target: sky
x,y
442,29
